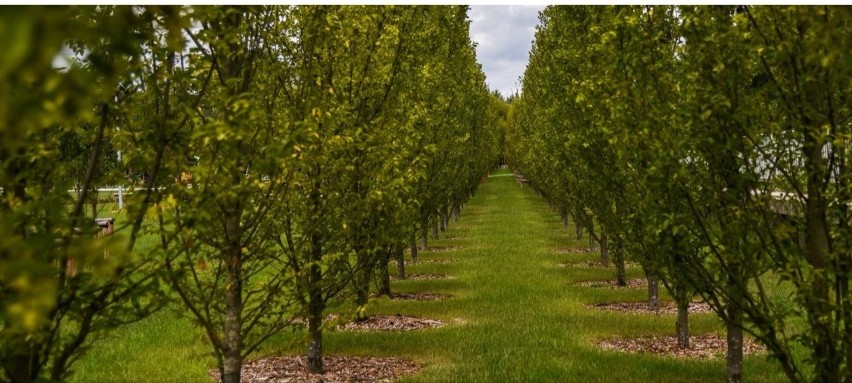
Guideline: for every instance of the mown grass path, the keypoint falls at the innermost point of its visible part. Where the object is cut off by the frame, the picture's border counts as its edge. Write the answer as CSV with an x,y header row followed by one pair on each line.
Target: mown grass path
x,y
516,315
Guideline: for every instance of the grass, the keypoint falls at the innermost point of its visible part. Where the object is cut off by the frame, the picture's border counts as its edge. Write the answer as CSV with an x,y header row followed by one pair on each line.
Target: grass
x,y
515,316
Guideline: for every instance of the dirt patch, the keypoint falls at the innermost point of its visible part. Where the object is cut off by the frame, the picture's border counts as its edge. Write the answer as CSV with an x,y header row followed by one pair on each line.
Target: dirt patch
x,y
391,323
421,277
666,307
700,346
441,249
338,369
573,250
631,284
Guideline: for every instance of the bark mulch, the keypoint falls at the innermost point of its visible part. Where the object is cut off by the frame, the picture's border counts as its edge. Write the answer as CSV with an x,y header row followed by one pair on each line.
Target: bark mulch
x,y
666,307
421,277
441,249
700,346
631,284
595,265
391,323
573,250
338,369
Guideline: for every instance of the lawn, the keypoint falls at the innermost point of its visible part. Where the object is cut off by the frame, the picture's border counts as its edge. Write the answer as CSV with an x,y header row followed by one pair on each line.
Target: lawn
x,y
515,315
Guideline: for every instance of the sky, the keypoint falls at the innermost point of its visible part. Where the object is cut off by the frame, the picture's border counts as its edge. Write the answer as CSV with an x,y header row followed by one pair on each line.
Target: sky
x,y
504,35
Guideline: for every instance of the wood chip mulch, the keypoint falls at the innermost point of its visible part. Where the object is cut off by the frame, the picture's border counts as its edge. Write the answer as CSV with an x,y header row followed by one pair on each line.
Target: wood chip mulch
x,y
441,249
391,323
572,250
666,307
421,277
440,261
631,284
700,346
419,297
338,369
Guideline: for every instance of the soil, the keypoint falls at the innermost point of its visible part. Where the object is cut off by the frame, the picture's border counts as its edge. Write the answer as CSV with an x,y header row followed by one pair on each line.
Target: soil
x,y
421,277
666,307
700,346
631,284
338,369
391,323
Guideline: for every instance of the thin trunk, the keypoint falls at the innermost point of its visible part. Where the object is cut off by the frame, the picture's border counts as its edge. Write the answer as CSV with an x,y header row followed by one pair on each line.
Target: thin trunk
x,y
620,269
825,354
384,274
400,262
578,229
232,353
435,227
315,310
604,250
456,212
424,239
316,303
734,357
413,247
682,325
445,217
565,221
653,292
95,204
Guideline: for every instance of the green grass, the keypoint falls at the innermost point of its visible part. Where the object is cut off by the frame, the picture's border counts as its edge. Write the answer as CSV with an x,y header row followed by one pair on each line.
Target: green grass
x,y
515,316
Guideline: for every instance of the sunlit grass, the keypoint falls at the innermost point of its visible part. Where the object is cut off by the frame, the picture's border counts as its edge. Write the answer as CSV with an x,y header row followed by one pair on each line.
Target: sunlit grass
x,y
515,315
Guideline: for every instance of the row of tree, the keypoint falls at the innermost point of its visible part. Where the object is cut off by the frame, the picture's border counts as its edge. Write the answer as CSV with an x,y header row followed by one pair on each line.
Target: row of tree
x,y
712,146
289,153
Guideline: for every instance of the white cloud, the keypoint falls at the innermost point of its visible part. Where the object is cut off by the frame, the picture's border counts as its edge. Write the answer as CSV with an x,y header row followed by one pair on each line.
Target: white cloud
x,y
504,35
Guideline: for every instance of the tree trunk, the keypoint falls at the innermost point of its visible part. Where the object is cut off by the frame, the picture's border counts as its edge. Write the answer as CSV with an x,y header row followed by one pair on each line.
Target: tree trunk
x,y
400,261
653,292
564,221
734,356
315,310
604,250
620,269
827,366
384,275
578,229
682,325
445,218
316,303
413,247
424,239
232,326
456,212
435,227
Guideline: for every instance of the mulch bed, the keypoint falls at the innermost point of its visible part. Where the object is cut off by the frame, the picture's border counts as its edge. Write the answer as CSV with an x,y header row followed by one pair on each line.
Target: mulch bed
x,y
573,250
700,346
441,249
631,284
666,307
338,369
419,297
440,261
421,277
391,323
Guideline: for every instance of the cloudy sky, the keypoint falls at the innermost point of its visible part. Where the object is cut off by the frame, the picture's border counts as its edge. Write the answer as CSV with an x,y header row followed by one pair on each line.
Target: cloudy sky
x,y
504,35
